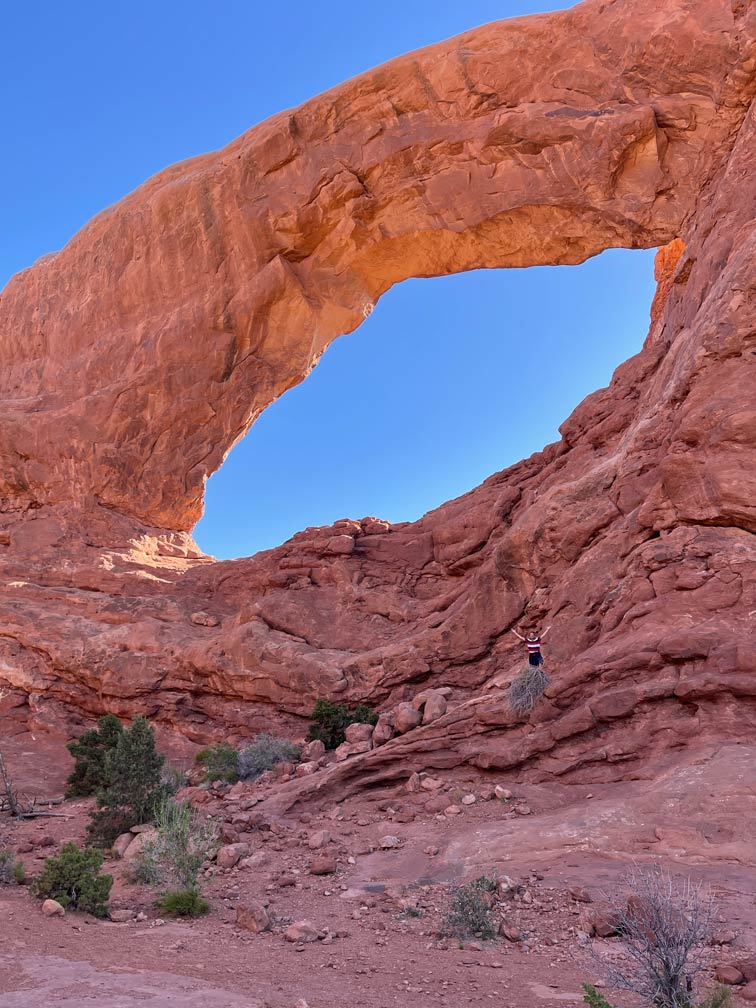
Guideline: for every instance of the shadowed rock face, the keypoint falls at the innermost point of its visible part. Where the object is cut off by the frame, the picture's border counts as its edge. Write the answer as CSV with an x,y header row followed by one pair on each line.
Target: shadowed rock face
x,y
138,355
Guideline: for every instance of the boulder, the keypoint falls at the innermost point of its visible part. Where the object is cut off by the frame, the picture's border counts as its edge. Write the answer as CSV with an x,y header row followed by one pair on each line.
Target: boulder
x,y
746,963
253,916
510,932
121,844
301,931
384,729
406,717
306,769
728,974
323,864
230,855
389,842
312,751
359,733
319,839
434,707
51,908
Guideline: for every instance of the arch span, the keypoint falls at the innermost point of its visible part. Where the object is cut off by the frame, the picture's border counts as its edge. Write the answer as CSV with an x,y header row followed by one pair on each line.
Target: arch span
x,y
138,355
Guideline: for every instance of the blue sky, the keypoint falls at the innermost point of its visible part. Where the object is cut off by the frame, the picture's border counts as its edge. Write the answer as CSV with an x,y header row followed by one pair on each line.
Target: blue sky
x,y
448,381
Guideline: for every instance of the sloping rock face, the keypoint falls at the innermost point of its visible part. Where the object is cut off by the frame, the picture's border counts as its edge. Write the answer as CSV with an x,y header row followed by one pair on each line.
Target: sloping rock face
x,y
138,355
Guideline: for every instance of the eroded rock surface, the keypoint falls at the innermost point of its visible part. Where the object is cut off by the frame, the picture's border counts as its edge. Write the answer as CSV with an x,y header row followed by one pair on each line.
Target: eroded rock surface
x,y
138,355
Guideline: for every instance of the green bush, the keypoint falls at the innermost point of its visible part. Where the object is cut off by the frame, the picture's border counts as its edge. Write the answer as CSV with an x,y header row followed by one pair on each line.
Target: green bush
x,y
467,915
90,751
183,843
72,878
593,999
484,884
133,772
11,870
719,996
263,754
330,721
182,903
220,762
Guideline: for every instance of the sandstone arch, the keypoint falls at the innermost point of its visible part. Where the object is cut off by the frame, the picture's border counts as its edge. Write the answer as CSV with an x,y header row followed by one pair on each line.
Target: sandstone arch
x,y
153,339
162,330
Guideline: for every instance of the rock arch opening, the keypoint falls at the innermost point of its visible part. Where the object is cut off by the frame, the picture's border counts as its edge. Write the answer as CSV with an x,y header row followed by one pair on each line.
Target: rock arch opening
x,y
447,382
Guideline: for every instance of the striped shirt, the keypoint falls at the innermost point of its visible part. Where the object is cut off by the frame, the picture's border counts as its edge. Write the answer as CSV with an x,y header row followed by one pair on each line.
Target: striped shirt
x,y
534,646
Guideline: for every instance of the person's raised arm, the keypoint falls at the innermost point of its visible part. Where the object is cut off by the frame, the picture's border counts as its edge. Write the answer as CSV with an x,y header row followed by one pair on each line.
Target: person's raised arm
x,y
545,632
517,635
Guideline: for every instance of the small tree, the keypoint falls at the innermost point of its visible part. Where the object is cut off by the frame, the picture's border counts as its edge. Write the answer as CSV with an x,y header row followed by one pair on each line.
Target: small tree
x,y
330,721
72,878
666,926
133,772
90,751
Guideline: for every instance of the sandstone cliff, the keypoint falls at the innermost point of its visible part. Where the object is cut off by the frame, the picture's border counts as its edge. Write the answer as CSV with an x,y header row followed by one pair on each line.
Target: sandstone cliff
x,y
138,355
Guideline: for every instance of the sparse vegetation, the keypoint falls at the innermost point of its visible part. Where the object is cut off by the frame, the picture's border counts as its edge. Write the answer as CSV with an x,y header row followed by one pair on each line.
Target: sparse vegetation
x,y
484,883
182,903
665,926
90,751
133,773
11,869
72,878
719,997
263,754
467,915
330,721
183,843
526,689
593,999
220,762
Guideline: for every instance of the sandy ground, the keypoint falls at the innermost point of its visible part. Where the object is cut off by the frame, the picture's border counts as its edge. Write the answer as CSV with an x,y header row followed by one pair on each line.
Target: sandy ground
x,y
380,912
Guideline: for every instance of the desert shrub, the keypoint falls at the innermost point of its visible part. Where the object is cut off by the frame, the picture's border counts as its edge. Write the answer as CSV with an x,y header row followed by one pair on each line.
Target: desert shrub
x,y
11,869
467,915
263,754
182,844
484,884
72,878
90,751
593,999
526,689
220,762
330,721
173,779
133,771
182,903
718,997
666,926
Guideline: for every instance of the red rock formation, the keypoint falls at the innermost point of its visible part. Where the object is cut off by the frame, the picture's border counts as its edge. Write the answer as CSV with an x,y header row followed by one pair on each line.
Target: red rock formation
x,y
135,358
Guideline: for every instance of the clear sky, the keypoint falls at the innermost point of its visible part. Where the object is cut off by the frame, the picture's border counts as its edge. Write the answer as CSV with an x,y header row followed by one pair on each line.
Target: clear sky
x,y
448,381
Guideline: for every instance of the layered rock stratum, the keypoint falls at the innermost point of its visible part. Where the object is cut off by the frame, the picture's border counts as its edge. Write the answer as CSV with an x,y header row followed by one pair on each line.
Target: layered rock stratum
x,y
136,357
